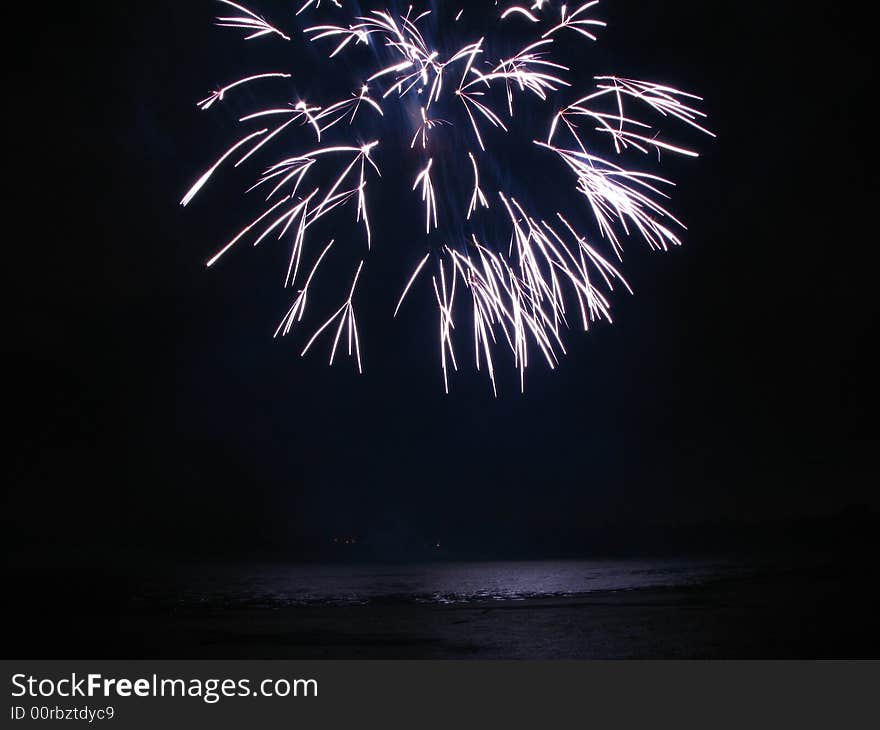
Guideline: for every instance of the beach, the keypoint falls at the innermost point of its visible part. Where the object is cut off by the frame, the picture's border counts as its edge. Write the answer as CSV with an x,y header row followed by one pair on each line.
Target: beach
x,y
814,612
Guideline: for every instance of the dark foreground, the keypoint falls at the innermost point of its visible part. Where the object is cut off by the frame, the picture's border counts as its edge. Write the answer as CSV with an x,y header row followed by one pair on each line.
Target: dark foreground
x,y
817,613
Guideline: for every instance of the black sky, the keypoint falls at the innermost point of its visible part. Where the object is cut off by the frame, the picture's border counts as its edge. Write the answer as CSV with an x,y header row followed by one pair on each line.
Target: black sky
x,y
150,407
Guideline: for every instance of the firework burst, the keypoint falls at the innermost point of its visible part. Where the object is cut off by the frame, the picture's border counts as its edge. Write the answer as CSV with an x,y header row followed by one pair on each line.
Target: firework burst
x,y
518,291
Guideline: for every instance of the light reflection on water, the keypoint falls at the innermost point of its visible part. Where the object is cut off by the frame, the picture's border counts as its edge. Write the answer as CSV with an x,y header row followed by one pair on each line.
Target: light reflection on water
x,y
275,585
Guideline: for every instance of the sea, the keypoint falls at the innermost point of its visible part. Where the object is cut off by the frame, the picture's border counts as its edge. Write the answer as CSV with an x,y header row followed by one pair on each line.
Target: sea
x,y
254,585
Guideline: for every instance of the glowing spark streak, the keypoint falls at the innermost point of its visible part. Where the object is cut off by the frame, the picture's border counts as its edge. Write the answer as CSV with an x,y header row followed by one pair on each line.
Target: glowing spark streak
x,y
445,303
200,183
521,11
317,4
579,26
477,197
428,198
410,283
275,132
346,316
469,101
250,21
296,312
218,95
243,232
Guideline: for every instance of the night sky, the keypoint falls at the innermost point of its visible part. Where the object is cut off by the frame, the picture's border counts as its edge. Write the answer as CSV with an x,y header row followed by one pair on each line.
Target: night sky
x,y
151,410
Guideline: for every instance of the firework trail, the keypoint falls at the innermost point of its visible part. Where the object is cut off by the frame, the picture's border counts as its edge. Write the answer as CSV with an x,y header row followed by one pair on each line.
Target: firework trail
x,y
518,291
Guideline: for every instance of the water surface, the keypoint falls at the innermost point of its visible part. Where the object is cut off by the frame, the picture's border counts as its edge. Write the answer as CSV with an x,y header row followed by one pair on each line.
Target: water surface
x,y
250,585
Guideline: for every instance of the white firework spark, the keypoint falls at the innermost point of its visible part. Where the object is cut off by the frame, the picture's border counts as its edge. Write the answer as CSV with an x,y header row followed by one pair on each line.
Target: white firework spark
x,y
255,24
545,276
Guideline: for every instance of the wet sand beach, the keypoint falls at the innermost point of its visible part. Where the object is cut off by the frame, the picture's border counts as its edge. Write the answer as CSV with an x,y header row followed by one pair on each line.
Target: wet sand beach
x,y
787,614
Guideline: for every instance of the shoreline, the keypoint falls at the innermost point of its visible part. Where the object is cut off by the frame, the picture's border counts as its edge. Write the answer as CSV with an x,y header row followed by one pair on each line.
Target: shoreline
x,y
790,615
795,612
